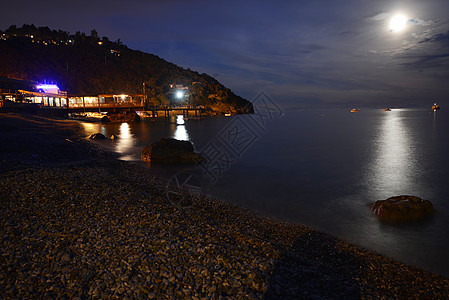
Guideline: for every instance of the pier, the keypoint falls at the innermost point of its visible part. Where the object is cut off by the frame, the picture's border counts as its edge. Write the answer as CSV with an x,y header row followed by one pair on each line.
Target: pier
x,y
59,103
146,110
136,102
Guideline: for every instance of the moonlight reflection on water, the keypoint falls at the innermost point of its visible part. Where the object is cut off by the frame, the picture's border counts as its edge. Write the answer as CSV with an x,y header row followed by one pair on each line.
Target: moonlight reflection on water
x,y
324,169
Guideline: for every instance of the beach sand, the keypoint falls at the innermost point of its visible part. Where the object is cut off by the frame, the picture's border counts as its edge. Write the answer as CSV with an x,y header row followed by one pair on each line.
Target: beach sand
x,y
78,223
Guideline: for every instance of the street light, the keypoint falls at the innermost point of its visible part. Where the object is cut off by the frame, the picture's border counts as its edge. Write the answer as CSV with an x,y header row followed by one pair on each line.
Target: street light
x,y
180,94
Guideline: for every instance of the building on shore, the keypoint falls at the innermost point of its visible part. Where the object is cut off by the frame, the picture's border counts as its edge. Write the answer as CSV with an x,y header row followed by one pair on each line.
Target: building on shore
x,y
106,100
44,99
49,95
23,91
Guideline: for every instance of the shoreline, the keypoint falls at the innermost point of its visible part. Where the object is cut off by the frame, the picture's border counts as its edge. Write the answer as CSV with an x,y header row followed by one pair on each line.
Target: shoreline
x,y
79,223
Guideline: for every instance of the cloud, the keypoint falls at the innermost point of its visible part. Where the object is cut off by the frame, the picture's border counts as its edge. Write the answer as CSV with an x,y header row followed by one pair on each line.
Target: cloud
x,y
413,21
430,51
379,17
436,65
441,37
294,49
418,22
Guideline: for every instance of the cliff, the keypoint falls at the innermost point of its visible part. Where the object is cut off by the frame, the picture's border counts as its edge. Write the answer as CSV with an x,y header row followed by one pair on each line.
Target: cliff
x,y
90,65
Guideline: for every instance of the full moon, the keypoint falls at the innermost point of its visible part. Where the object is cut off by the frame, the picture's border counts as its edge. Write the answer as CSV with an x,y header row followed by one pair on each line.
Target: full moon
x,y
397,23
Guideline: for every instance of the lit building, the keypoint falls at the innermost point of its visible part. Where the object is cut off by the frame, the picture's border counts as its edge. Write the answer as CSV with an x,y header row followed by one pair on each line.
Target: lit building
x,y
48,88
14,90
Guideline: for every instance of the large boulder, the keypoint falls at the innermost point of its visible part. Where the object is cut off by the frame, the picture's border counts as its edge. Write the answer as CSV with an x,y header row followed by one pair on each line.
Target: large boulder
x,y
121,117
171,151
402,208
96,136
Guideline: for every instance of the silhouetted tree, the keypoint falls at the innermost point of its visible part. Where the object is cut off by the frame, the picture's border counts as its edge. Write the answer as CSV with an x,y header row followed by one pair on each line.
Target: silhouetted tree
x,y
88,68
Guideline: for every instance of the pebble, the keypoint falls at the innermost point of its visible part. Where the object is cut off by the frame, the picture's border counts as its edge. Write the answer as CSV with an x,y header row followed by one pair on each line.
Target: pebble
x,y
91,227
65,257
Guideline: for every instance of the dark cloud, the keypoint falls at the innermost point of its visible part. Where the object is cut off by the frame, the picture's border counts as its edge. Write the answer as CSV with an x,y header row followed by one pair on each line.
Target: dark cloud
x,y
441,38
435,62
329,51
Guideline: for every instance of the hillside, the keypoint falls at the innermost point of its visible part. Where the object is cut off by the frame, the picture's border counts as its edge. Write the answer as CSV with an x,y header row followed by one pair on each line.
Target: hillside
x,y
89,65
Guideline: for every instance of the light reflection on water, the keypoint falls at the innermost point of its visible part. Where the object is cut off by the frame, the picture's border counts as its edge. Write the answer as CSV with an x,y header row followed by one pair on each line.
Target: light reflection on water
x,y
324,170
180,132
434,125
391,164
132,138
394,160
125,142
90,128
400,163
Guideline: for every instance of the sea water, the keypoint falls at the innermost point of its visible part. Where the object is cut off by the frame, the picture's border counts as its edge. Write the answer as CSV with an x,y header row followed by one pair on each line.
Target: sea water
x,y
321,168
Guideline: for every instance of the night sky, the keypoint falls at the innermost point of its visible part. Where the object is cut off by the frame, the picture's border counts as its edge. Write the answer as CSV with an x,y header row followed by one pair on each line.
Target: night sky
x,y
302,53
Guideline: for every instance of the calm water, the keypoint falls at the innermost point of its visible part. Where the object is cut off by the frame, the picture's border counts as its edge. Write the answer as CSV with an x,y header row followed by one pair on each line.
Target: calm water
x,y
323,169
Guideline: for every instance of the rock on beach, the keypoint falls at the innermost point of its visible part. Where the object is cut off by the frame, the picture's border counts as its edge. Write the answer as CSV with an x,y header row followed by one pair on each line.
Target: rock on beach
x,y
96,136
121,117
171,151
404,208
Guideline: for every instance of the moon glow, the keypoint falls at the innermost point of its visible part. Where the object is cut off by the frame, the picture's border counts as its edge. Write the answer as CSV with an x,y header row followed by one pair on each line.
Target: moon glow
x,y
397,22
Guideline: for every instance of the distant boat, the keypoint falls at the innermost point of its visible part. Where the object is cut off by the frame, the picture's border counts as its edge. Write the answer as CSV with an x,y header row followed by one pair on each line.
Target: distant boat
x,y
227,115
355,110
435,107
387,109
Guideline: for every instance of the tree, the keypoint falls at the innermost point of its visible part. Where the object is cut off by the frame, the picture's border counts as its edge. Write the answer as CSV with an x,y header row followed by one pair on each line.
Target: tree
x,y
162,99
12,30
94,36
79,37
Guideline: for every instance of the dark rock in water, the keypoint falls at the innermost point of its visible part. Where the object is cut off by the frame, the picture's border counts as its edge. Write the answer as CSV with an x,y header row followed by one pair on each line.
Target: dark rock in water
x,y
123,117
96,136
171,151
402,208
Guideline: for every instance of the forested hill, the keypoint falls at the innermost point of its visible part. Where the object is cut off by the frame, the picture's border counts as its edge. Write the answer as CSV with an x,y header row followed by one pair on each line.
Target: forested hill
x,y
89,65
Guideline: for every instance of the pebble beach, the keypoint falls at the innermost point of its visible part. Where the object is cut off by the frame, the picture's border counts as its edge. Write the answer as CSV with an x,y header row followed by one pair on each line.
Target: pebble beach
x,y
77,223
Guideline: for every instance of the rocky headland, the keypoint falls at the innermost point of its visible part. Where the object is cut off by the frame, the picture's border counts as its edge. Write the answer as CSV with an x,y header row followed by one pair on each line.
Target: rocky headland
x,y
89,65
